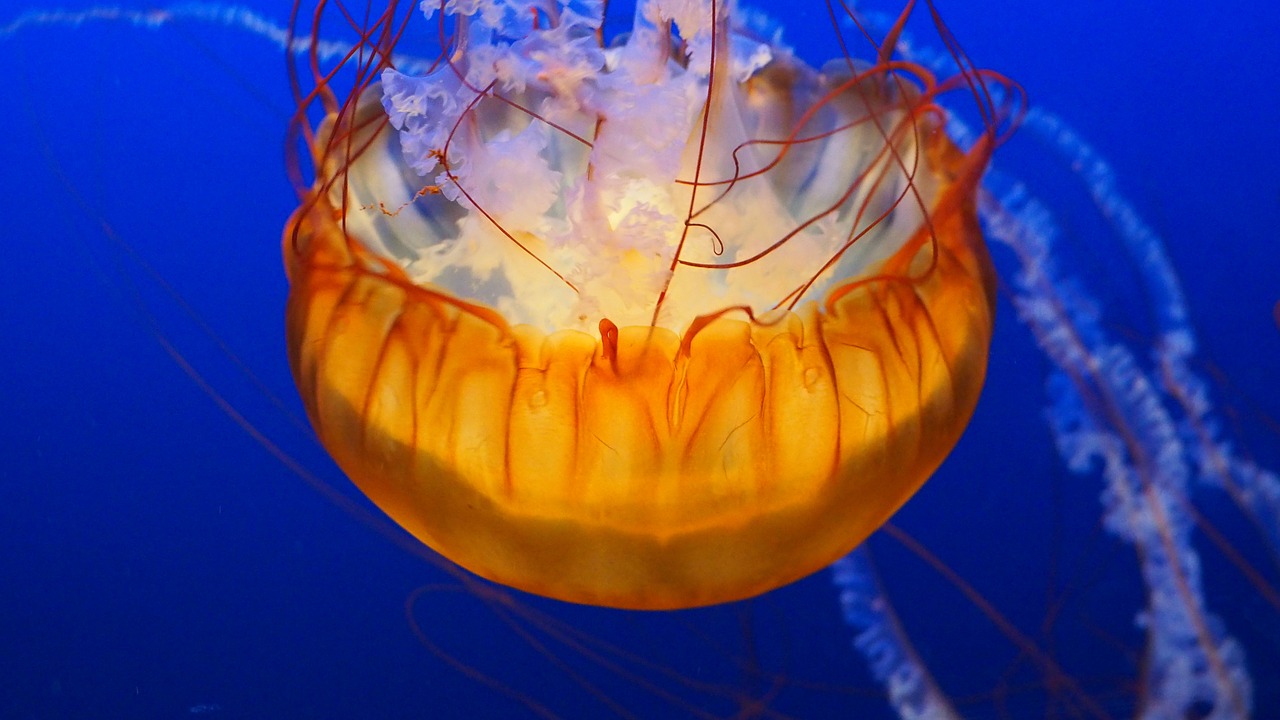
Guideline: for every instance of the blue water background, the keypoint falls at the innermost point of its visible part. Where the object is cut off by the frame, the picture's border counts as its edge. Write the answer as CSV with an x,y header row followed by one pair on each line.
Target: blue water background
x,y
158,562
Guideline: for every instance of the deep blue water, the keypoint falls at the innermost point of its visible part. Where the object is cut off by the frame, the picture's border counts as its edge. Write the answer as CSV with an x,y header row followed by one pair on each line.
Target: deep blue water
x,y
159,562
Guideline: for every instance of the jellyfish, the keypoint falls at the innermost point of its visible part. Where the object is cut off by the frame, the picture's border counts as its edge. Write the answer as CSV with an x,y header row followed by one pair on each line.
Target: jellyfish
x,y
219,548
656,323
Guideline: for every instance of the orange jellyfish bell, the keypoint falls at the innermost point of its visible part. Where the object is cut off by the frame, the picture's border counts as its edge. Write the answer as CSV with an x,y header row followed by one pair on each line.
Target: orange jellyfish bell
x,y
657,325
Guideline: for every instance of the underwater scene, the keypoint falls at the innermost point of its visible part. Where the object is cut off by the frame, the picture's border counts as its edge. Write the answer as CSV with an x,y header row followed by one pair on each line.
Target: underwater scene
x,y
1101,541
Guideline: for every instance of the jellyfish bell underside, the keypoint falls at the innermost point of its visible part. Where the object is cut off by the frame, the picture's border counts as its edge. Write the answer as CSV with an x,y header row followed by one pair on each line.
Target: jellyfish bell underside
x,y
664,324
